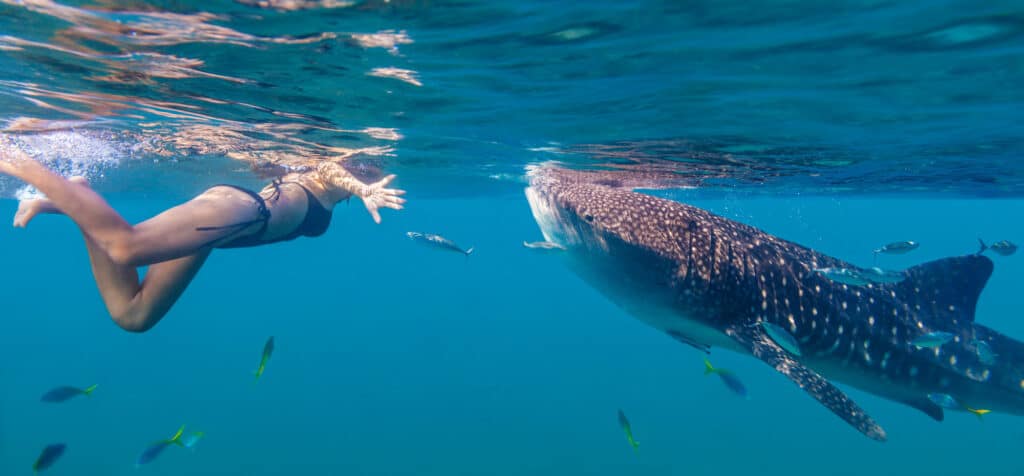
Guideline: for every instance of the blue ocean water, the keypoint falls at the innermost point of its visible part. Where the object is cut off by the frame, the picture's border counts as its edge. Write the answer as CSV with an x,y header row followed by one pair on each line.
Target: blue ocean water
x,y
840,126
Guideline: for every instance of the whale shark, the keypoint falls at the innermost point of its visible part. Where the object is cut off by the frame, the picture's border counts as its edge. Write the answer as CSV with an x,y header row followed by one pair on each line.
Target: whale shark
x,y
711,282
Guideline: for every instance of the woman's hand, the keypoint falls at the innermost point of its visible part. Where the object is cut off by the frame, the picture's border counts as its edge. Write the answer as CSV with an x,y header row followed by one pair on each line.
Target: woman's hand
x,y
375,196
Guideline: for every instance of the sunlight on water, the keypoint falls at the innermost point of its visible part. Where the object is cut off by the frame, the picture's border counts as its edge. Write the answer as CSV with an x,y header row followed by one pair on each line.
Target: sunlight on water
x,y
747,95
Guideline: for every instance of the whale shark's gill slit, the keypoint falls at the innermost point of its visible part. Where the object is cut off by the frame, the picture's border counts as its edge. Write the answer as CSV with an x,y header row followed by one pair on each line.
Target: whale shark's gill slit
x,y
762,347
713,254
686,245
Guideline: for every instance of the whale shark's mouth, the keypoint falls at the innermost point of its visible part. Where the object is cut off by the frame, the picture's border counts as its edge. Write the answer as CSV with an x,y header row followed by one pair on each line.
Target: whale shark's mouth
x,y
545,213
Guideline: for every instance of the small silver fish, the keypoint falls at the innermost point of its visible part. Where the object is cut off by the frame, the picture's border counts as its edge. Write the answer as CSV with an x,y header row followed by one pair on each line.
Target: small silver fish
x,y
843,275
437,241
881,276
931,339
544,245
782,337
898,248
1003,247
985,353
860,277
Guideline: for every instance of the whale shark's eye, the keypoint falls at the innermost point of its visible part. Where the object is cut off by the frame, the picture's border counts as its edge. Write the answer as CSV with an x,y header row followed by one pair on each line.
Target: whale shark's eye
x,y
589,217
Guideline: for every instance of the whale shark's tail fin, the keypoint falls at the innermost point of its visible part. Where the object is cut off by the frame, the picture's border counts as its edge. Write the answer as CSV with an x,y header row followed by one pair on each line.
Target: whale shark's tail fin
x,y
946,289
761,346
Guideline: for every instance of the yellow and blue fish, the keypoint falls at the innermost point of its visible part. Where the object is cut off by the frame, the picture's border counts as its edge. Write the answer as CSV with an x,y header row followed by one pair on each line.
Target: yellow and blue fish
x,y
179,439
65,393
48,456
947,401
268,349
728,378
628,430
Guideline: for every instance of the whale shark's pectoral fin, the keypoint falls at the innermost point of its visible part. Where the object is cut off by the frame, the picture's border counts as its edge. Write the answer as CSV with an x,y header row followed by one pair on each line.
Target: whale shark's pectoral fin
x,y
926,406
762,347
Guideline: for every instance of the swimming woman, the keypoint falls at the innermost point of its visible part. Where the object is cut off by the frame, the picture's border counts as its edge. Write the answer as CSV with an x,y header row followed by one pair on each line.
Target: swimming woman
x,y
175,243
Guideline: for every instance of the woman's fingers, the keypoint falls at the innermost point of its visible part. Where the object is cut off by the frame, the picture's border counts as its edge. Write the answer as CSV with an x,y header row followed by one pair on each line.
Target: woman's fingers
x,y
379,196
385,181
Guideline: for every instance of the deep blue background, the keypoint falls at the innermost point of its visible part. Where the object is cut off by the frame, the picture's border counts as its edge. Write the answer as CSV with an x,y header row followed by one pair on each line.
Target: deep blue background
x,y
393,358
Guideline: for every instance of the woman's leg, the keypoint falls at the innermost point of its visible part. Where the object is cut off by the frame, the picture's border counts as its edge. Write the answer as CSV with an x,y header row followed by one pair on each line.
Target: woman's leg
x,y
30,208
167,236
169,241
136,306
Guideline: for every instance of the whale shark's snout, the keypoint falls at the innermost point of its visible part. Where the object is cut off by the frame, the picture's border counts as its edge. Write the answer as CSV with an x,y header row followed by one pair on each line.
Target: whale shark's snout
x,y
553,210
545,213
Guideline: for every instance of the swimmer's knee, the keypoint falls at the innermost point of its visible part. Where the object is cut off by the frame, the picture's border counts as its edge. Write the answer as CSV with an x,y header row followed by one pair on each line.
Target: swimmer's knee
x,y
122,253
132,320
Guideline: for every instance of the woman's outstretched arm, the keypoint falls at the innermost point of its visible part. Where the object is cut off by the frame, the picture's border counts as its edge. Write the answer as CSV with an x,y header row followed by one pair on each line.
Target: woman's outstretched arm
x,y
341,184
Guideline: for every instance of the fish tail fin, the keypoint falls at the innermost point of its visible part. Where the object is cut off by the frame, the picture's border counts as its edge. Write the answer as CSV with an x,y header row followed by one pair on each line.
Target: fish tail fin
x,y
983,246
708,368
88,390
193,439
469,251
176,439
978,412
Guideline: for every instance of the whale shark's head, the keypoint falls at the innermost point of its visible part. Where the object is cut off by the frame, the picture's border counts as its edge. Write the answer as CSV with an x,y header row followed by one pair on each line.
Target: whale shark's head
x,y
597,210
568,209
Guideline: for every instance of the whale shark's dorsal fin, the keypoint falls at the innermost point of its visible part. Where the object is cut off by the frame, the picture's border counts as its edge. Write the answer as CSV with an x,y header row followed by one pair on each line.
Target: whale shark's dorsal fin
x,y
946,290
762,347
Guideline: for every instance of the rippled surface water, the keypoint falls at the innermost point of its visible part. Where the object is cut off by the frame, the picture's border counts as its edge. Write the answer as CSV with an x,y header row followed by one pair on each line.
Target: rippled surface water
x,y
855,96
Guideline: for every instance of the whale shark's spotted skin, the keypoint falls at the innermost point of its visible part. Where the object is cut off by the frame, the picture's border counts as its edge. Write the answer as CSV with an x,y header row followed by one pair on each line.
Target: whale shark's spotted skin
x,y
707,280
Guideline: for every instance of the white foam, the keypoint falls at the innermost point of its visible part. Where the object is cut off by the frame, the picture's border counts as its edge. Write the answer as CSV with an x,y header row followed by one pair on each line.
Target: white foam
x,y
68,153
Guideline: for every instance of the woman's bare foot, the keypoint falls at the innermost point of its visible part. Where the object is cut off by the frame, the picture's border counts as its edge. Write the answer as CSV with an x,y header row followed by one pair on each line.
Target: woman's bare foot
x,y
28,209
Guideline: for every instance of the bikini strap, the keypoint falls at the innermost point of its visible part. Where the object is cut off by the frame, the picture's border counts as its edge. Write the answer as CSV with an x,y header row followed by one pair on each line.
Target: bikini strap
x,y
261,210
